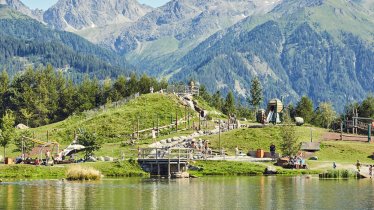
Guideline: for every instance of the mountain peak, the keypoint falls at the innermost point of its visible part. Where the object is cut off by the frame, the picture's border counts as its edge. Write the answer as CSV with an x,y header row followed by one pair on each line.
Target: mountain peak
x,y
80,14
20,7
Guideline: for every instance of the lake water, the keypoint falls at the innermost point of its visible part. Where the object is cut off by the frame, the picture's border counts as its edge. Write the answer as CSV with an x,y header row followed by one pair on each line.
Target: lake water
x,y
203,193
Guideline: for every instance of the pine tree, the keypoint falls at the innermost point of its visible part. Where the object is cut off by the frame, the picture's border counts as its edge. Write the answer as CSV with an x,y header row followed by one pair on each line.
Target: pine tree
x,y
304,109
366,108
7,129
204,94
144,84
217,101
229,107
132,85
67,103
256,96
4,86
289,139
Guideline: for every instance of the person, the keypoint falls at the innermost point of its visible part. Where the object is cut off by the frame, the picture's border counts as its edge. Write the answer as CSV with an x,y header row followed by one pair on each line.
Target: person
x,y
370,170
47,157
37,162
297,163
302,163
272,150
358,165
334,165
236,151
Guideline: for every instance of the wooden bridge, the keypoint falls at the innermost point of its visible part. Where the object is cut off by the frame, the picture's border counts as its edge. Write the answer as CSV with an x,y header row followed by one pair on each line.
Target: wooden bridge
x,y
162,162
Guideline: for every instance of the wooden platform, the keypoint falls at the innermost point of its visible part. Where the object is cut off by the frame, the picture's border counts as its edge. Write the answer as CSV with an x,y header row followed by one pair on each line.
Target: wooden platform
x,y
164,162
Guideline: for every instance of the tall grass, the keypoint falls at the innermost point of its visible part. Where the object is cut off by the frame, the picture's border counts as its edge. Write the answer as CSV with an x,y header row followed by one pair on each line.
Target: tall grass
x,y
339,174
82,173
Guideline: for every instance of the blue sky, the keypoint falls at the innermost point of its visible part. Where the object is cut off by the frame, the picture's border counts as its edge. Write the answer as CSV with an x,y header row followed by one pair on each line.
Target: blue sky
x,y
45,4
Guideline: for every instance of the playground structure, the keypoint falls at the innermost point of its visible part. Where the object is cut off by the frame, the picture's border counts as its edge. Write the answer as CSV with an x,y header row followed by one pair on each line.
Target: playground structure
x,y
273,113
54,147
41,148
183,90
356,126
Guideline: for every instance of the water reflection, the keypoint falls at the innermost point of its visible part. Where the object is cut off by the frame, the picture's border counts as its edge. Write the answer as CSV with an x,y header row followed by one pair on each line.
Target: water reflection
x,y
204,193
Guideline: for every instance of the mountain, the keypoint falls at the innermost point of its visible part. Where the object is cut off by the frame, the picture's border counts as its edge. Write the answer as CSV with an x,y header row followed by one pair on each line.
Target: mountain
x,y
25,41
96,20
161,37
319,48
20,7
82,14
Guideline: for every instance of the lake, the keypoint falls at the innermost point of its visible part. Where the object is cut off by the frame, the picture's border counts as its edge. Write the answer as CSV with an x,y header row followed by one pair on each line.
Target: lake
x,y
204,193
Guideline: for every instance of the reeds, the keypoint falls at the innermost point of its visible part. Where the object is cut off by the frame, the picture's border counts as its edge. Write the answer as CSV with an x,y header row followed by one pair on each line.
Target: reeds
x,y
81,173
339,174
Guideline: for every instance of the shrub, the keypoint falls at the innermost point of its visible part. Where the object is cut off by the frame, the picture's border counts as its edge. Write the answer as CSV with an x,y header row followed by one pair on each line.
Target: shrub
x,y
83,173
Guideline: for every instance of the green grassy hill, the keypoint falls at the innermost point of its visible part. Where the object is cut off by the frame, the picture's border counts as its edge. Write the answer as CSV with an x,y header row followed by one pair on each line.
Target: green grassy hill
x,y
261,138
115,124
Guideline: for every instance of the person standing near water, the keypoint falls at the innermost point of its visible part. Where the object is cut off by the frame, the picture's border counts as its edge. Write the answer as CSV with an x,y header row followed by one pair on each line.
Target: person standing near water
x,y
334,165
47,157
272,150
358,165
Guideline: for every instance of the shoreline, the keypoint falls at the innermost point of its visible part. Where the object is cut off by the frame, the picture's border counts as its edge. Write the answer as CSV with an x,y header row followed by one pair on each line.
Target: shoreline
x,y
130,168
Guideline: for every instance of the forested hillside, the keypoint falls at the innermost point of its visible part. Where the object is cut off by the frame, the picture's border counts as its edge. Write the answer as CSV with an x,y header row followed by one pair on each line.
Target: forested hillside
x,y
42,96
25,41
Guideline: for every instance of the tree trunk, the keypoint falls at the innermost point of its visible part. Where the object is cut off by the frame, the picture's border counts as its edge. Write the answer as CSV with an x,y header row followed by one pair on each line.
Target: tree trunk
x,y
4,155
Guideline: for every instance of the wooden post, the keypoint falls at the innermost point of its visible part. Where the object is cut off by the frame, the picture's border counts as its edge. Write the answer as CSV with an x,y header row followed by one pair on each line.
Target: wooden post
x,y
199,121
176,120
158,123
158,164
137,129
188,119
179,160
169,173
185,116
369,133
219,137
133,128
341,131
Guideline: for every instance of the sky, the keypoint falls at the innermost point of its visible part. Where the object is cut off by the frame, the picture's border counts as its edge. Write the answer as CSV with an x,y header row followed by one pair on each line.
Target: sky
x,y
45,4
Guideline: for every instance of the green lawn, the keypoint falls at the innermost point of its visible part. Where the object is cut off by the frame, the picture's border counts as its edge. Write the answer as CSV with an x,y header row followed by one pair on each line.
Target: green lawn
x,y
225,168
346,152
126,168
259,138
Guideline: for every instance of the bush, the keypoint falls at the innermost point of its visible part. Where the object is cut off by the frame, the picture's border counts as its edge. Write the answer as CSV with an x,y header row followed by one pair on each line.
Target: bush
x,y
83,173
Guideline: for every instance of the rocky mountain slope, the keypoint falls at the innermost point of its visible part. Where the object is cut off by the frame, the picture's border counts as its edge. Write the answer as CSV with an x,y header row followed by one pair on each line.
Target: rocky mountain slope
x,y
81,14
167,33
319,48
99,21
22,8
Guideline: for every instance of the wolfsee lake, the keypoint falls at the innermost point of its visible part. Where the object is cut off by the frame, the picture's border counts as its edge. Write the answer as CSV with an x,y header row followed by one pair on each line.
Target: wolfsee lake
x,y
203,193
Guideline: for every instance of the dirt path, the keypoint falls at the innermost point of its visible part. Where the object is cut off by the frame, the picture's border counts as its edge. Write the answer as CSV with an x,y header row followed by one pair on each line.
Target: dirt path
x,y
330,136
